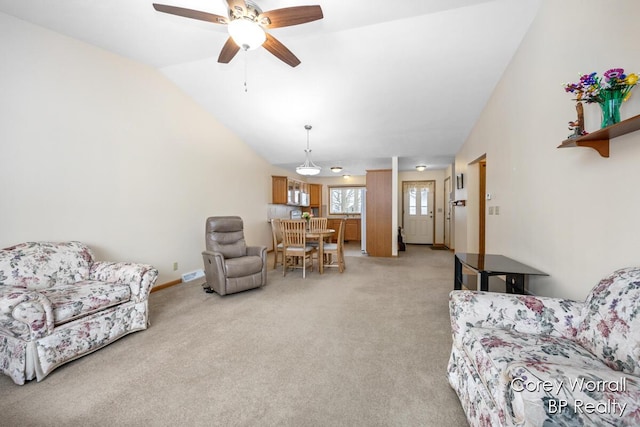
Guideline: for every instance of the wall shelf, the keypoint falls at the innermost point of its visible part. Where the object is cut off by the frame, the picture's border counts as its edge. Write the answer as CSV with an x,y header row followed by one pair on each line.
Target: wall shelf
x,y
599,140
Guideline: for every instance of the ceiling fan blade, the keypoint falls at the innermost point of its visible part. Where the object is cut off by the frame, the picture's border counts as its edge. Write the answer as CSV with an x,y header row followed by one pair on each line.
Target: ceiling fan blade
x,y
280,51
228,51
288,16
190,13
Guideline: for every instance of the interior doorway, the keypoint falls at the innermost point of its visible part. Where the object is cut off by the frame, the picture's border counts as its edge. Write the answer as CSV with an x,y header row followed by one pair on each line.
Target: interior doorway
x,y
448,198
418,211
482,205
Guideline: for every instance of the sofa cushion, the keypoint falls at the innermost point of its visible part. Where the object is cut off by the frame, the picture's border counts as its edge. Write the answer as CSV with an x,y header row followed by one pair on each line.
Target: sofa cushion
x,y
82,298
41,265
611,321
492,351
244,266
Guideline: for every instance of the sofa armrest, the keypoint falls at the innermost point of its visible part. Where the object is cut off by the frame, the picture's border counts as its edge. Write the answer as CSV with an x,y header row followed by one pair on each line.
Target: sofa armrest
x,y
140,277
25,314
522,313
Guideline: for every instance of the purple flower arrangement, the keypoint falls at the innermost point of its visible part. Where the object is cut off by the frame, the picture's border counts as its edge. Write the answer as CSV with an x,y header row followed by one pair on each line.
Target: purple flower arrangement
x,y
591,88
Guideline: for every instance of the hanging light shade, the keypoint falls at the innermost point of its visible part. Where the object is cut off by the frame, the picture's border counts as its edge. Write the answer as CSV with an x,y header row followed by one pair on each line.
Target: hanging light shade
x,y
308,167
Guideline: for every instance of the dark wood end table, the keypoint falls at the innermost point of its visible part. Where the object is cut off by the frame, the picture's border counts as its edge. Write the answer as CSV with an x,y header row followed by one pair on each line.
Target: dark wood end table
x,y
495,265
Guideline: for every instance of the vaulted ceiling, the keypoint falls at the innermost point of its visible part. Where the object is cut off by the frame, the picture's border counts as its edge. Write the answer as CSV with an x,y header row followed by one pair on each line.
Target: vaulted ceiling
x,y
377,79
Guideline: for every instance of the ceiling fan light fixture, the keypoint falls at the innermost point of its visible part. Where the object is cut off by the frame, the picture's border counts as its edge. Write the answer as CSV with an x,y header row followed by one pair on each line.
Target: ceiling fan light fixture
x,y
421,168
247,33
308,167
336,169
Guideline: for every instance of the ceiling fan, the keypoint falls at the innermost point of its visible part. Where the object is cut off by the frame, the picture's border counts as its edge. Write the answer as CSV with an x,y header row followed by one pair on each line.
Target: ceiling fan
x,y
247,24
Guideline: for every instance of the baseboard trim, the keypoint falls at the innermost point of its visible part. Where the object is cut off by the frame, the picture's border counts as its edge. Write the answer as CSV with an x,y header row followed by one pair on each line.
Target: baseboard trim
x,y
166,285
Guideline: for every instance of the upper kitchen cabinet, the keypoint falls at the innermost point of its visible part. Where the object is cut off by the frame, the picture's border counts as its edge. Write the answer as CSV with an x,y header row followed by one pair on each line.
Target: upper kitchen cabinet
x,y
315,195
279,190
287,191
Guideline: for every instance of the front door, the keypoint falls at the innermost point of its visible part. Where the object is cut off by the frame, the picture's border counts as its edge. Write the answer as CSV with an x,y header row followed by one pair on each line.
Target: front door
x,y
418,211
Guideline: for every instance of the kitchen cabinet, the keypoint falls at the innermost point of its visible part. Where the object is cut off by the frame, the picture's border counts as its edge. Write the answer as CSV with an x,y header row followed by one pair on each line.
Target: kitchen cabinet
x,y
288,191
304,194
352,230
279,190
293,192
315,199
315,195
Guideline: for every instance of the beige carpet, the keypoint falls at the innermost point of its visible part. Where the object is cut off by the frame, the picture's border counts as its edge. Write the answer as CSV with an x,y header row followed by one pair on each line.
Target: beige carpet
x,y
368,347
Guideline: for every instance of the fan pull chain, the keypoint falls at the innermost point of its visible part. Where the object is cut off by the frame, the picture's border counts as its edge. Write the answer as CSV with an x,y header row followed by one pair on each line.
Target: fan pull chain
x,y
245,71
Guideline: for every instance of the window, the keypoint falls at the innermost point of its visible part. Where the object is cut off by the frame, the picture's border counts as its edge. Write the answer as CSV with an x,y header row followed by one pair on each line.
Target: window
x,y
345,200
424,201
416,197
412,201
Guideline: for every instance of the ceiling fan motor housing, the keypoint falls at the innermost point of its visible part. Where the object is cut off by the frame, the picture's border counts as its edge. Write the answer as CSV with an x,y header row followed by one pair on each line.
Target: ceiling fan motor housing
x,y
251,12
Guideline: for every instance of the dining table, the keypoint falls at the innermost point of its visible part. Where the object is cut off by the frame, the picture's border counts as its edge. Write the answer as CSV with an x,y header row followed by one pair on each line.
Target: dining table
x,y
320,234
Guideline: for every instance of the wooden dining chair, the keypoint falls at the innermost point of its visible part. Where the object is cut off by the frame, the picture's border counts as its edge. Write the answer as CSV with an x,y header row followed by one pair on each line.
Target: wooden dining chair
x,y
295,246
317,223
334,252
278,246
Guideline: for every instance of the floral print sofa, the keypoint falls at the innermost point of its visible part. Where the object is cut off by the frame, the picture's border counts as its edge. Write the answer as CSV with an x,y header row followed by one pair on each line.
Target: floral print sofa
x,y
57,304
533,361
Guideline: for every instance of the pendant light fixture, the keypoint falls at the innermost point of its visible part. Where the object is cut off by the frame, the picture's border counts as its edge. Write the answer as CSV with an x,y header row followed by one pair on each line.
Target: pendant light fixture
x,y
308,167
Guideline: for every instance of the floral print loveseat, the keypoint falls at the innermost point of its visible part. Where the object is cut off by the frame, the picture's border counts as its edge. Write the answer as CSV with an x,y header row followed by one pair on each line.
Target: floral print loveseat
x,y
57,304
533,361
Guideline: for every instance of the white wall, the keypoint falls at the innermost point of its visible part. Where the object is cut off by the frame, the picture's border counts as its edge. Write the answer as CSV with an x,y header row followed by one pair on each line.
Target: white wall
x,y
568,212
97,148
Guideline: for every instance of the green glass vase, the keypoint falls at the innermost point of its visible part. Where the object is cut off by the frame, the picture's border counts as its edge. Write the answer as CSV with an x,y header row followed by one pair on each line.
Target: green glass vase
x,y
610,105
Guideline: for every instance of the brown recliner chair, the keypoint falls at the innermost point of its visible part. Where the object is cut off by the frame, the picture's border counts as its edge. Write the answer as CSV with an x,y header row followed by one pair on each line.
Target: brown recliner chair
x,y
230,265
